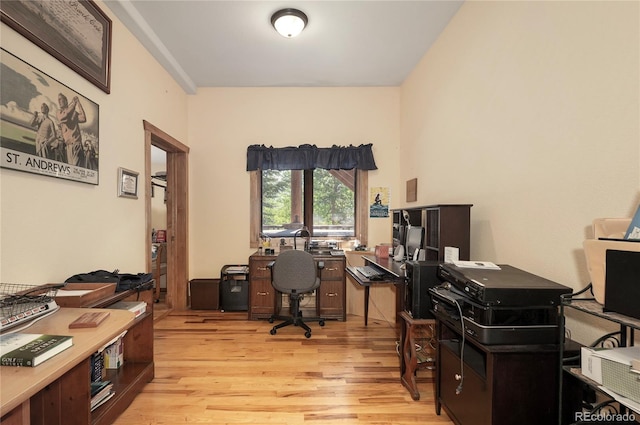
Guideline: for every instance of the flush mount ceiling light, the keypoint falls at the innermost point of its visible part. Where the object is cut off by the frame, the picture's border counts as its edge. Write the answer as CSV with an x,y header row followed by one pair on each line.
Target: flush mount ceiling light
x,y
289,22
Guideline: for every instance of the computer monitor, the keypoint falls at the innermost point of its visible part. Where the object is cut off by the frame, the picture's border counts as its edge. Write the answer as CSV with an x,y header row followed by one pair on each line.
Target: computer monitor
x,y
413,240
398,235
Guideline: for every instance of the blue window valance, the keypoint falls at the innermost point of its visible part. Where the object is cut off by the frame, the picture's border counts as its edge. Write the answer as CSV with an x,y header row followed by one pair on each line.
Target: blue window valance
x,y
308,157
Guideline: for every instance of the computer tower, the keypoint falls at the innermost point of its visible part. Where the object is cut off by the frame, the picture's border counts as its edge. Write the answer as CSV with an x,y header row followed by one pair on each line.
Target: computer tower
x,y
420,276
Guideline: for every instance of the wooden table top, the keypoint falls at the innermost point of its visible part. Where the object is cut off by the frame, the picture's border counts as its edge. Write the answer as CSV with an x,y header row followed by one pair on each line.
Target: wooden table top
x,y
18,384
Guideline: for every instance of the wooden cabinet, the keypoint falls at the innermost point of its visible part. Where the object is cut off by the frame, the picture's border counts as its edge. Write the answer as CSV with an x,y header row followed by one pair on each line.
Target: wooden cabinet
x,y
481,384
58,391
262,295
445,225
138,367
330,296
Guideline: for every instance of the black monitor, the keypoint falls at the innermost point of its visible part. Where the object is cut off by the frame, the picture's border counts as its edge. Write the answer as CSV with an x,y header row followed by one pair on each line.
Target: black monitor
x,y
398,235
413,240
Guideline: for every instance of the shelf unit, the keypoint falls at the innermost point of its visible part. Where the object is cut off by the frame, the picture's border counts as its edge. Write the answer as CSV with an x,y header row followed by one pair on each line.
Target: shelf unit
x,y
58,391
444,224
138,367
627,328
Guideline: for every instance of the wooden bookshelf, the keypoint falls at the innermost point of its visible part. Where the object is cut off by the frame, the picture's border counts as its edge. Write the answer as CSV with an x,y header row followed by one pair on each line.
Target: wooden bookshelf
x,y
46,394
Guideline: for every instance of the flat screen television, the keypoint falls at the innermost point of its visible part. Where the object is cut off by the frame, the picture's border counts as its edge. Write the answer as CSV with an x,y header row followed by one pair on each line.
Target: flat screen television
x,y
414,237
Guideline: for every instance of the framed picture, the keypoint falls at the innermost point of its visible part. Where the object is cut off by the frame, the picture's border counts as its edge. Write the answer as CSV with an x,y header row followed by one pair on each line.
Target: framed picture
x,y
412,190
46,127
76,32
127,183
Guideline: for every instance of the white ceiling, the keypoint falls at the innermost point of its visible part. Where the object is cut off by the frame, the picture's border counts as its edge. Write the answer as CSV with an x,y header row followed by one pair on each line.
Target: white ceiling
x,y
211,43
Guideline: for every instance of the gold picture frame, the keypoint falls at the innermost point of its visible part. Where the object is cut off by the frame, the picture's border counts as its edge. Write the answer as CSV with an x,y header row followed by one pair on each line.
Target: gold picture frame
x,y
127,183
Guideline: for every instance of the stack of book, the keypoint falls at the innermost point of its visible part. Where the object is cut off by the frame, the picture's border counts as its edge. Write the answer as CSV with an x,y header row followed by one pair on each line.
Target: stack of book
x,y
137,307
101,391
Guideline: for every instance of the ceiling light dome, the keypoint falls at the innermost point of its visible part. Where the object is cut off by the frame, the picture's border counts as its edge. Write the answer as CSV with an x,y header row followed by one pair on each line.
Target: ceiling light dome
x,y
289,22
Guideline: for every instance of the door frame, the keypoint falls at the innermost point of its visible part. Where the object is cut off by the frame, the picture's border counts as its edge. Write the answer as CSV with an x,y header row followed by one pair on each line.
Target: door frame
x,y
177,193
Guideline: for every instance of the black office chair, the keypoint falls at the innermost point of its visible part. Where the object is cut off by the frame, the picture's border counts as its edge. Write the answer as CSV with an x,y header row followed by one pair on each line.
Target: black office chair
x,y
295,273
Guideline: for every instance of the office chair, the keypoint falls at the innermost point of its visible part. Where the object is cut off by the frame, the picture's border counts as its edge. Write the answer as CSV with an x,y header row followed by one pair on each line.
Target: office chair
x,y
295,273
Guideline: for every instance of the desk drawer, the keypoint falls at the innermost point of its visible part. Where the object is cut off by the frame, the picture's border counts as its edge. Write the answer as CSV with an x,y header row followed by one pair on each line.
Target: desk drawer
x,y
333,270
259,270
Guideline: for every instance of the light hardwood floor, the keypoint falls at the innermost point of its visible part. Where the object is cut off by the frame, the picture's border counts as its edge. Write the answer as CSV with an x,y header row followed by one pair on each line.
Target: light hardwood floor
x,y
219,368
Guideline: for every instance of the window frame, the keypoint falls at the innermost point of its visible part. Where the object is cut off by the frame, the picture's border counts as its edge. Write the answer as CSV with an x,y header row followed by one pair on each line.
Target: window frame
x,y
255,206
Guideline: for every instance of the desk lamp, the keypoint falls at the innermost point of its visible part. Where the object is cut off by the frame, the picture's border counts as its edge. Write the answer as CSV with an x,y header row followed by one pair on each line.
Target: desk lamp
x,y
303,233
405,215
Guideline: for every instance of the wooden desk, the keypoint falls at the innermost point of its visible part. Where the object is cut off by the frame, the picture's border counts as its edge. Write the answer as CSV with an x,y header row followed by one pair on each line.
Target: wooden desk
x,y
392,271
416,331
330,300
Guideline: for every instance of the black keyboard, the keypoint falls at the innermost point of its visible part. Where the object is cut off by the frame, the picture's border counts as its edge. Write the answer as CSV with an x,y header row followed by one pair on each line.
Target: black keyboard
x,y
369,272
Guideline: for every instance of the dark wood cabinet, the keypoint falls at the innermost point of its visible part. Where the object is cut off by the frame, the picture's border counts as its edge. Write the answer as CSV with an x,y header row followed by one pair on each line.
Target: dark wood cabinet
x,y
479,384
262,295
330,297
445,225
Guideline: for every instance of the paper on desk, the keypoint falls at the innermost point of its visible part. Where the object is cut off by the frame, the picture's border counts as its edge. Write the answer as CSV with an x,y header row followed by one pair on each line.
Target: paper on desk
x,y
236,270
72,293
477,265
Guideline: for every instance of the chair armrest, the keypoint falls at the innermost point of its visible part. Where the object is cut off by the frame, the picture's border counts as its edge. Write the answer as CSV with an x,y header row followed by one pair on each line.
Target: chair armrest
x,y
320,265
271,263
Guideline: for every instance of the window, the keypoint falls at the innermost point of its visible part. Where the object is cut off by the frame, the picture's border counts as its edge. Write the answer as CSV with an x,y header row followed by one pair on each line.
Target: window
x,y
322,200
331,203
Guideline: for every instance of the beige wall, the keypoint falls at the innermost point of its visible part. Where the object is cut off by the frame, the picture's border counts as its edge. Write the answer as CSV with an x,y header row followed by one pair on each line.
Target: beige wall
x,y
529,111
52,228
223,122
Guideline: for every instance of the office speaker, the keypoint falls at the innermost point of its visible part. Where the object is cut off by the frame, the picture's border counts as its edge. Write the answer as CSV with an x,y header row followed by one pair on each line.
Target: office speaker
x,y
420,276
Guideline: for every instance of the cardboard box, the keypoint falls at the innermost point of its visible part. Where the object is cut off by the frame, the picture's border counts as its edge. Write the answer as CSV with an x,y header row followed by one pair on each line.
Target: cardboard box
x,y
83,294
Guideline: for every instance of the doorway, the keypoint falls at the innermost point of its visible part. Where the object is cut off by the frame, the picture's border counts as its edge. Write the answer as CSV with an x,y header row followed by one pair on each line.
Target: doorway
x,y
177,196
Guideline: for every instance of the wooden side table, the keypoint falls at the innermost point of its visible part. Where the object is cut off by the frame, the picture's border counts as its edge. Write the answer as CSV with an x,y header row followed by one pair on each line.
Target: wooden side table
x,y
417,350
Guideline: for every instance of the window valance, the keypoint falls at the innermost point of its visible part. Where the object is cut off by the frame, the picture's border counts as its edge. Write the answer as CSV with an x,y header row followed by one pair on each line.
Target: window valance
x,y
308,157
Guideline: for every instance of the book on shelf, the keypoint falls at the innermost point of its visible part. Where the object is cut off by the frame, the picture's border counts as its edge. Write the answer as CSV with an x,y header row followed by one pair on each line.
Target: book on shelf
x,y
29,350
633,231
137,307
101,392
97,366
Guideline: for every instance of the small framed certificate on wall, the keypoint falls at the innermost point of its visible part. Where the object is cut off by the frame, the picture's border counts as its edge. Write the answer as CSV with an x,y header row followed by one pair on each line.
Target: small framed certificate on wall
x,y
127,183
